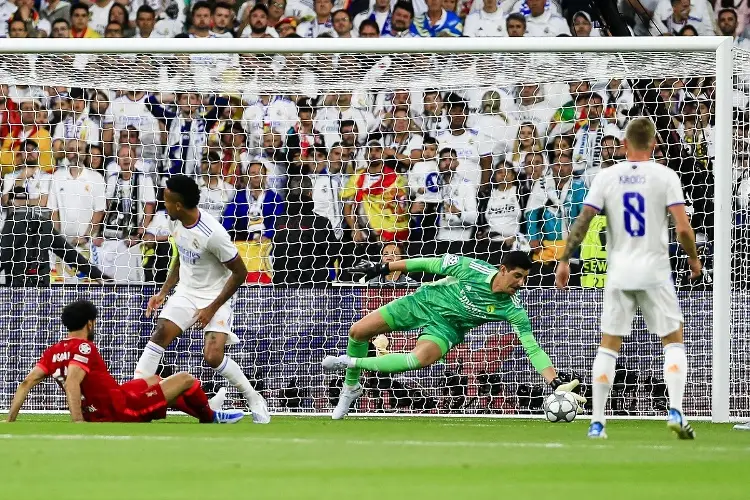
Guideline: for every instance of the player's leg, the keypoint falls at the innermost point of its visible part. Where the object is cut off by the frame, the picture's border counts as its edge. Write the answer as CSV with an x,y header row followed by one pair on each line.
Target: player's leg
x,y
164,333
429,349
183,392
617,317
661,311
213,353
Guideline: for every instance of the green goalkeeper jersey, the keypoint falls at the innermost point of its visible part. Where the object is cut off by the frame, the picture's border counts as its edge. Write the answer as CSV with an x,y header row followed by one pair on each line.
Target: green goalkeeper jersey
x,y
464,299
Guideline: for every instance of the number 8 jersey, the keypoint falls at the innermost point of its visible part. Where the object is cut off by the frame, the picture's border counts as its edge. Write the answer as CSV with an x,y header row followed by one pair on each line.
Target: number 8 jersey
x,y
635,197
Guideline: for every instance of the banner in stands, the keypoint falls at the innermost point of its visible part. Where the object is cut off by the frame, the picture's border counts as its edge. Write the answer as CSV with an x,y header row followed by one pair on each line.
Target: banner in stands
x,y
286,332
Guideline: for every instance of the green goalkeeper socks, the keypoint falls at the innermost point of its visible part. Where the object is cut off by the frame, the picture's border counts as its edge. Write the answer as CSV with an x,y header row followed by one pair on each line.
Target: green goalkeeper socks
x,y
355,349
390,363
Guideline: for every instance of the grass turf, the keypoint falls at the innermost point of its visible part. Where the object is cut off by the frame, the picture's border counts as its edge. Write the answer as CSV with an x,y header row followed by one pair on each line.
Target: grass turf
x,y
385,458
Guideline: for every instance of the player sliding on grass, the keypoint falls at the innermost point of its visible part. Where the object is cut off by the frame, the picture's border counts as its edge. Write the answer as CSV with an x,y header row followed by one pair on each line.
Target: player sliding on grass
x,y
94,395
473,293
638,195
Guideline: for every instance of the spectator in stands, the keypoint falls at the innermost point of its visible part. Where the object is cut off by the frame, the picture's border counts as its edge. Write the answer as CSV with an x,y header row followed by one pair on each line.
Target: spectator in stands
x,y
670,16
727,22
401,20
215,192
543,19
392,252
403,143
610,154
155,247
77,196
490,21
368,29
79,22
52,10
380,12
587,149
581,25
322,22
257,22
31,130
145,21
276,10
548,225
302,135
472,147
568,116
99,15
131,109
60,29
233,151
75,124
338,110
119,14
274,159
187,135
458,207
200,25
436,21
532,181
277,111
434,117
496,126
500,217
17,29
28,185
342,23
171,23
618,100
375,201
424,190
222,20
534,107
36,27
131,201
515,25
687,30
252,214
527,141
286,27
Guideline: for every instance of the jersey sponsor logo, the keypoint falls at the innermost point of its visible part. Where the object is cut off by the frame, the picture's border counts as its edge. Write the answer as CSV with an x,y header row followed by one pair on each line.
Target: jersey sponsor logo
x,y
450,260
82,359
85,349
60,356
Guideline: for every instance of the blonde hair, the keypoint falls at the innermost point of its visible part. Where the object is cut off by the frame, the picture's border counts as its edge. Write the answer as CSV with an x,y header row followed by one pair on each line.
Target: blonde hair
x,y
535,148
640,134
491,104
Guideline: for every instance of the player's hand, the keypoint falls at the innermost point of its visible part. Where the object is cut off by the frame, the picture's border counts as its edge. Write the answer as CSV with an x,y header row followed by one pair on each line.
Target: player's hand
x,y
203,316
153,304
370,270
562,274
695,268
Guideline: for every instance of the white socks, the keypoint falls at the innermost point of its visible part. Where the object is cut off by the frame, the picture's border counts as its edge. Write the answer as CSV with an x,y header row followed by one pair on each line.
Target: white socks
x,y
675,373
602,377
231,371
149,361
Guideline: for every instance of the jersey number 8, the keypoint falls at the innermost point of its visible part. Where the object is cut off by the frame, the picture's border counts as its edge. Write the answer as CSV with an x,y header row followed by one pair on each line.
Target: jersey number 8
x,y
635,208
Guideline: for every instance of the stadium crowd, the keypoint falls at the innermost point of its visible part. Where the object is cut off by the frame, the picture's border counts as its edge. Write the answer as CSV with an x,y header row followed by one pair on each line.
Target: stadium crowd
x,y
308,184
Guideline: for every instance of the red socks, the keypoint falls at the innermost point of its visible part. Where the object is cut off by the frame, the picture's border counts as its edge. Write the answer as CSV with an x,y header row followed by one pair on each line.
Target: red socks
x,y
194,402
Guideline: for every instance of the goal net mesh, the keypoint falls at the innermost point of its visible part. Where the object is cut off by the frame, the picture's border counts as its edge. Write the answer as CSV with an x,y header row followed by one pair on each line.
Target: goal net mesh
x,y
317,162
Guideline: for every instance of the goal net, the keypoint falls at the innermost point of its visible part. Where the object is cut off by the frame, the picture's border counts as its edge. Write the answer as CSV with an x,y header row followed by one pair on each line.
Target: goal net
x,y
315,162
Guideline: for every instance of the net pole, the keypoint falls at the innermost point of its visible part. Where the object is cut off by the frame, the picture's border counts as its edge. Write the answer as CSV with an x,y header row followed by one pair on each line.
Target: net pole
x,y
722,234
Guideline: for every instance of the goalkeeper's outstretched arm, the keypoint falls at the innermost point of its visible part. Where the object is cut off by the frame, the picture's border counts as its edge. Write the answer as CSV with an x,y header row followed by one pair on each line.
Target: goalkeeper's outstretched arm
x,y
32,379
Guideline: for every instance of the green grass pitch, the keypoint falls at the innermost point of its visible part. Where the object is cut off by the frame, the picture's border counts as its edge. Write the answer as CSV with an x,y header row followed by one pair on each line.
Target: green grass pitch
x,y
46,457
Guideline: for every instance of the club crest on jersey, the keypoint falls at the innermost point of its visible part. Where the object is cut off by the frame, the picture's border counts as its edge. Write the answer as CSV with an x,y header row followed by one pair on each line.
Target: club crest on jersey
x,y
85,349
196,245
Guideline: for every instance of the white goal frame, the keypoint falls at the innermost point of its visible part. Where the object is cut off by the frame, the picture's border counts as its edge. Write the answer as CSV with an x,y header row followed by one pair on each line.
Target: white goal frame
x,y
721,47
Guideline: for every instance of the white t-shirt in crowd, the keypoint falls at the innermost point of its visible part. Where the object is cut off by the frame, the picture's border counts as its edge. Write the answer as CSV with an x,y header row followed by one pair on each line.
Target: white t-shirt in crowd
x,y
76,199
425,175
98,17
503,213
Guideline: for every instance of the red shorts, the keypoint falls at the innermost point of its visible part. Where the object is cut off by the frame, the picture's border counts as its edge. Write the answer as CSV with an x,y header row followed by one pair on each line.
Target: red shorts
x,y
137,402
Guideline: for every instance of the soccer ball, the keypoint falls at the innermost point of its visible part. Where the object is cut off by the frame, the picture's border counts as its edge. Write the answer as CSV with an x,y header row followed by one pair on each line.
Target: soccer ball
x,y
560,407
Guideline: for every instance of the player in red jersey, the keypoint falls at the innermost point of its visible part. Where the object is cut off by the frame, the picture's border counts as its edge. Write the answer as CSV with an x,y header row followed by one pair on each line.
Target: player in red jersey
x,y
95,396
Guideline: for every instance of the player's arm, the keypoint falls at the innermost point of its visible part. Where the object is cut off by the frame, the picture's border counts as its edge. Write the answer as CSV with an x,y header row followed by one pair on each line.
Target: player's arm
x,y
35,376
537,356
73,381
432,265
174,272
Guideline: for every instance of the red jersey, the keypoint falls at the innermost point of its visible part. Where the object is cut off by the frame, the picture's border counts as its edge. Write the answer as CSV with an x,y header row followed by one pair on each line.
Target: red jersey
x,y
101,392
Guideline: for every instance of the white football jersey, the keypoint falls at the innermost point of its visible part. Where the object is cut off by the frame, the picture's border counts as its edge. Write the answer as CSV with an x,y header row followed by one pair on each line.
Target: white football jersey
x,y
204,248
635,197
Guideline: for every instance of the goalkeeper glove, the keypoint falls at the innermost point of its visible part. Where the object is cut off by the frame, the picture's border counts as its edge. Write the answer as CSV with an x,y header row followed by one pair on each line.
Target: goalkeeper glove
x,y
558,386
370,270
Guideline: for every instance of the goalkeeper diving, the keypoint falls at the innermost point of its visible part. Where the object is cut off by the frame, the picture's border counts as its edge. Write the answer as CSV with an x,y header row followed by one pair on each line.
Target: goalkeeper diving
x,y
472,293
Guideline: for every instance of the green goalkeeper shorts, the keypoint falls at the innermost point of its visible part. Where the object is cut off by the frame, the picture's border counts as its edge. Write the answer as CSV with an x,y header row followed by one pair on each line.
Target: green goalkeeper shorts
x,y
409,313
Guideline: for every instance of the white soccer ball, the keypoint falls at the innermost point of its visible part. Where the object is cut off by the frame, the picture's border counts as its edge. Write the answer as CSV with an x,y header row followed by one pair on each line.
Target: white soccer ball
x,y
560,407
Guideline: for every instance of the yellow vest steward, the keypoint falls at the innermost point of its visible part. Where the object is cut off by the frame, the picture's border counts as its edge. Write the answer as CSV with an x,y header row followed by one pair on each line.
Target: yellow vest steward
x,y
594,254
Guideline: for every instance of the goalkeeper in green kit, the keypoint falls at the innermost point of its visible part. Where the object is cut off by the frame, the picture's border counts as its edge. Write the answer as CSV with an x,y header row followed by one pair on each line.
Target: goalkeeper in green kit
x,y
472,293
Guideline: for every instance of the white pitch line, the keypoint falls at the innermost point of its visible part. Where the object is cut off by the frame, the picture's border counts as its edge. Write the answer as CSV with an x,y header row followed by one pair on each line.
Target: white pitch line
x,y
359,442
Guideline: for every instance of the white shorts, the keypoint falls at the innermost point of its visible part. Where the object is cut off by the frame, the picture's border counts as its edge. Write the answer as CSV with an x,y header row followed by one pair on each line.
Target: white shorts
x,y
181,309
659,306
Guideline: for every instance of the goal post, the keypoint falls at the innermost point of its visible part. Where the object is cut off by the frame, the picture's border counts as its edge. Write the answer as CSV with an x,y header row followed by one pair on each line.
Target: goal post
x,y
286,327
